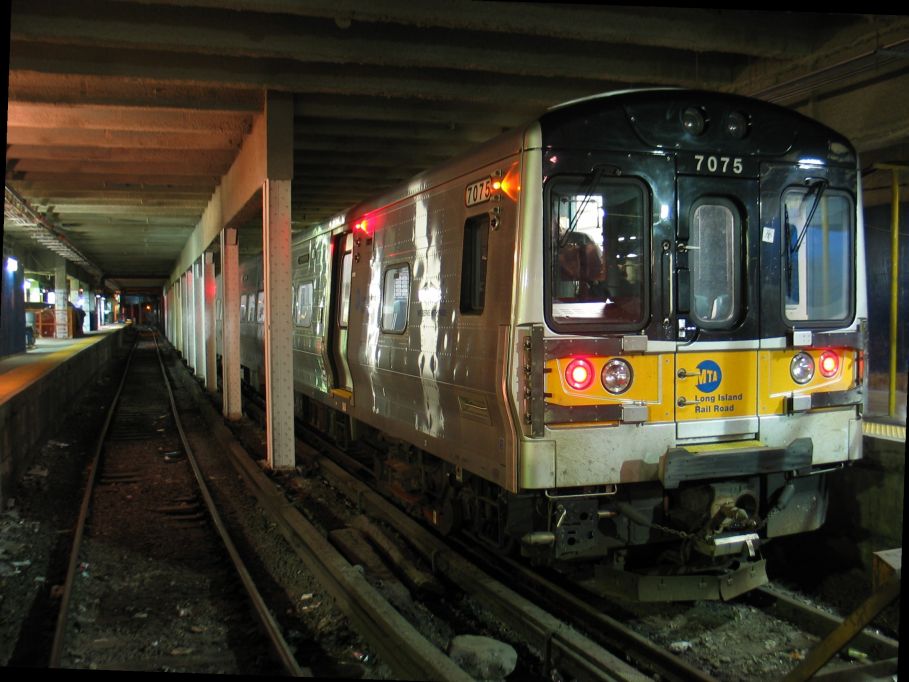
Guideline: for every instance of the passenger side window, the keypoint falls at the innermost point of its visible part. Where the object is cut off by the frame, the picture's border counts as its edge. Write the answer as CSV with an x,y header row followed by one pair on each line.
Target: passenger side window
x,y
395,299
260,307
303,306
243,308
473,264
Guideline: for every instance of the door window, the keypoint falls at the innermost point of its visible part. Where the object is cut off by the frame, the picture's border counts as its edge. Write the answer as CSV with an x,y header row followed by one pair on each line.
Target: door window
x,y
714,258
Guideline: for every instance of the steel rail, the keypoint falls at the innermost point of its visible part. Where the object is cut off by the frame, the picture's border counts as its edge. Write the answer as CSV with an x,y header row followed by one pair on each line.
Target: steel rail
x,y
556,639
608,630
397,642
560,643
280,645
62,614
820,623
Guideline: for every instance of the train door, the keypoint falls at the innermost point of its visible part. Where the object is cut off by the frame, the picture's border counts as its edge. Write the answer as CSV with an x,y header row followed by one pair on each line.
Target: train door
x,y
342,261
717,299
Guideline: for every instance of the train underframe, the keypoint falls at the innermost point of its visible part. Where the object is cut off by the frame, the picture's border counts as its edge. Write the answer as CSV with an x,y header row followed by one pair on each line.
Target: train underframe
x,y
700,540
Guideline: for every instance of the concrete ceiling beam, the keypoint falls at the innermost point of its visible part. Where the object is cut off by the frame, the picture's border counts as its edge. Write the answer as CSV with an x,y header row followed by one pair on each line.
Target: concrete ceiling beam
x,y
147,119
315,128
866,40
439,85
58,197
200,168
361,184
90,212
400,161
754,33
62,87
318,41
872,115
85,191
357,146
454,114
57,137
189,157
62,204
129,178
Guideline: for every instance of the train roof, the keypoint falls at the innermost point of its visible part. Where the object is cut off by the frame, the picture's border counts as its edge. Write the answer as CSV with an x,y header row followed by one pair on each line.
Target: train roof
x,y
639,120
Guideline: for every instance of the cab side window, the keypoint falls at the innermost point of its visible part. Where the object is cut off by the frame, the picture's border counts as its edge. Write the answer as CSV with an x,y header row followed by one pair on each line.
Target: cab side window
x,y
395,298
473,264
303,305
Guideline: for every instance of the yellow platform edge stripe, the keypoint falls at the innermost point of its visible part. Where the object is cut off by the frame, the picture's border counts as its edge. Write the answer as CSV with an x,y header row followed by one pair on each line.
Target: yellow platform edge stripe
x,y
885,431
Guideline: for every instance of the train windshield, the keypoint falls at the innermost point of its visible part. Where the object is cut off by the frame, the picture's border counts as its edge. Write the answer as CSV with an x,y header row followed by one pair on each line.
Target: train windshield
x,y
818,277
600,251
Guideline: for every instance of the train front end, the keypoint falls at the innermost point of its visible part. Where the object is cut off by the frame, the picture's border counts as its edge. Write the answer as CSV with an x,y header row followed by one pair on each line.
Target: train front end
x,y
694,367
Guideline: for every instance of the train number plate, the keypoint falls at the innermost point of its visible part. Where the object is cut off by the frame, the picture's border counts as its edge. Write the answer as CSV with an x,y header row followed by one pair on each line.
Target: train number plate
x,y
478,192
717,164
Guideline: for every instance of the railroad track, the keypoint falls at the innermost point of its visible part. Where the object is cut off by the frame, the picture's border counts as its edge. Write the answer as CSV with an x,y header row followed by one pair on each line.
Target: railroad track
x,y
602,621
555,627
149,559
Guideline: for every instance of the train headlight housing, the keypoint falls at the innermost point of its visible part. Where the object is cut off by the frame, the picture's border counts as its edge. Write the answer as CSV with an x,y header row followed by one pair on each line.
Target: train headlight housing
x,y
802,368
736,125
616,376
579,374
829,364
693,121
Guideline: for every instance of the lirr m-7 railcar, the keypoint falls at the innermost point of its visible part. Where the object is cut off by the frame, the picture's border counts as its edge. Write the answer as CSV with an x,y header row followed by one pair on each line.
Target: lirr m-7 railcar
x,y
625,340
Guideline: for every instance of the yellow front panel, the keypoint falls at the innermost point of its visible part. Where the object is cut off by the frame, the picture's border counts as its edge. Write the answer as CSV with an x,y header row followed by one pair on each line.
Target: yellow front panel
x,y
716,385
777,383
651,385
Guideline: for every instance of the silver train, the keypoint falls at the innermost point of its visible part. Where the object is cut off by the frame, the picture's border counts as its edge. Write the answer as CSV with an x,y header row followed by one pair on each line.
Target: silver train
x,y
625,340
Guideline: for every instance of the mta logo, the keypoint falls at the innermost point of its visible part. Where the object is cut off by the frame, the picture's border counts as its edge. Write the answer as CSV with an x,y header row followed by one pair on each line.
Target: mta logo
x,y
709,376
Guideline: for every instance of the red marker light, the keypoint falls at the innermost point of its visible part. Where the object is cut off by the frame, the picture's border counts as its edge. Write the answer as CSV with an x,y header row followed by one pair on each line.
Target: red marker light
x,y
829,363
579,374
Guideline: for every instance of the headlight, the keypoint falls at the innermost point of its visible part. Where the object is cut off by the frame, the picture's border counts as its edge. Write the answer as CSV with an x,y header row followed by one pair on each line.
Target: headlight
x,y
736,125
802,368
693,121
616,376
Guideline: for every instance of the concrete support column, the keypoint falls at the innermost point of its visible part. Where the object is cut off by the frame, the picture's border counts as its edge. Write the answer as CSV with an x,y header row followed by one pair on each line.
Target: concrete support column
x,y
199,317
186,348
211,351
278,328
230,325
189,320
91,323
191,358
165,312
61,301
177,338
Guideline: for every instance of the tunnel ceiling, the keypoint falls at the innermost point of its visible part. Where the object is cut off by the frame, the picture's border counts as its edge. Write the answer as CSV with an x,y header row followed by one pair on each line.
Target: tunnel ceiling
x,y
123,115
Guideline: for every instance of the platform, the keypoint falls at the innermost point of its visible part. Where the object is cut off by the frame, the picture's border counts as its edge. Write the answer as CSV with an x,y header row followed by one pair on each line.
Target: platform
x,y
21,370
878,424
37,386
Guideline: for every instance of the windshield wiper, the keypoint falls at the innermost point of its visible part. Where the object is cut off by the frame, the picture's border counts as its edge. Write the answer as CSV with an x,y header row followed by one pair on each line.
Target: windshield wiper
x,y
817,186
